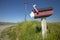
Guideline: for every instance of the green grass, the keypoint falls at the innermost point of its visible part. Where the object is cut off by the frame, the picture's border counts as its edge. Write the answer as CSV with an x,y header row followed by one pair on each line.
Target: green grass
x,y
31,30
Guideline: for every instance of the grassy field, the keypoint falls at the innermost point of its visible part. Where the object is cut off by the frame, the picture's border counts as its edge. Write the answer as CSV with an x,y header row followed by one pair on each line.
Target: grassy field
x,y
31,30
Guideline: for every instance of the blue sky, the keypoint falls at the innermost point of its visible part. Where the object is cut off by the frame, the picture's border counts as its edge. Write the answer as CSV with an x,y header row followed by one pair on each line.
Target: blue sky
x,y
13,10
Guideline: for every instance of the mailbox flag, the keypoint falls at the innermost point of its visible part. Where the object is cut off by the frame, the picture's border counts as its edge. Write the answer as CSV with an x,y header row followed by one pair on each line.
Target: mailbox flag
x,y
32,14
34,6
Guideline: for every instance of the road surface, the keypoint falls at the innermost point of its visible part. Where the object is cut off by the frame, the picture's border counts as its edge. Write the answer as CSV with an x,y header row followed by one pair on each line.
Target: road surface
x,y
2,27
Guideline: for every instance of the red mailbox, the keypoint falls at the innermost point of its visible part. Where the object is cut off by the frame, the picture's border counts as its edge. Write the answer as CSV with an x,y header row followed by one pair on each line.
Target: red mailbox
x,y
42,13
45,12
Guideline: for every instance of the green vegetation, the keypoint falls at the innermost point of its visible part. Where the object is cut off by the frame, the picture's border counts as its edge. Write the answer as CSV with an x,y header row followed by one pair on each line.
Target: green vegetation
x,y
31,30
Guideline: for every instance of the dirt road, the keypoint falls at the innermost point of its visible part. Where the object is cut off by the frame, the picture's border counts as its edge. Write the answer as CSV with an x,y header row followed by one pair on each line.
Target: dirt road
x,y
2,27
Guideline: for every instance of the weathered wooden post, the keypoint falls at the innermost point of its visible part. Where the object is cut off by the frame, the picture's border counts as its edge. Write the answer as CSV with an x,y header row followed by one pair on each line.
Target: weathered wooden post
x,y
44,27
42,13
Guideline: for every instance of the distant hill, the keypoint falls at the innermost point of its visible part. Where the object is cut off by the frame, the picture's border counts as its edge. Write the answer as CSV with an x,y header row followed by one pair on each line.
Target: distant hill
x,y
6,23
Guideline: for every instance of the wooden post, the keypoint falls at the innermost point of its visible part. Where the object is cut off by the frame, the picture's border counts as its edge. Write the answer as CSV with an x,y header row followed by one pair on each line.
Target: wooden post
x,y
25,11
44,27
